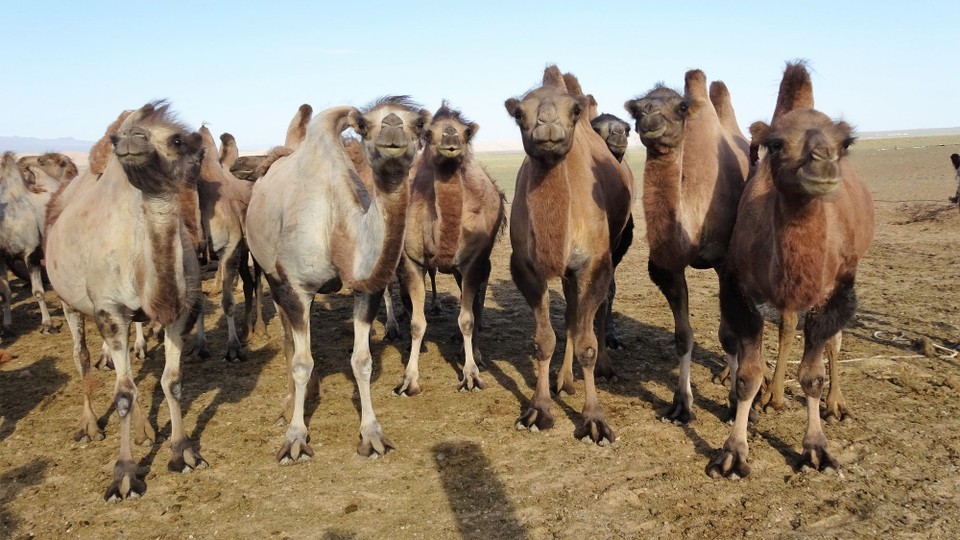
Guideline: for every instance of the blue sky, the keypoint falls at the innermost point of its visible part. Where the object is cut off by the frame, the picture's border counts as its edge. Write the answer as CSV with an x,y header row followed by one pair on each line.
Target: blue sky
x,y
245,68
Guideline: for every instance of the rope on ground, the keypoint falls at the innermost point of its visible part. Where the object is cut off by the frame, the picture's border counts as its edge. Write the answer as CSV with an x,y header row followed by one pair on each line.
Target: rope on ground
x,y
939,351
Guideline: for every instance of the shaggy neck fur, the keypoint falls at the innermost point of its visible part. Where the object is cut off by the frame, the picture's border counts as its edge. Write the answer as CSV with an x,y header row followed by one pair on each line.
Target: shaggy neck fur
x,y
164,291
662,208
548,201
800,230
448,204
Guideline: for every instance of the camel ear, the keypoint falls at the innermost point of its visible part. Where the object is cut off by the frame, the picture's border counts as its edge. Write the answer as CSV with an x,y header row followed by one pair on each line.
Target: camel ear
x,y
472,130
632,107
849,137
955,159
759,131
357,122
513,108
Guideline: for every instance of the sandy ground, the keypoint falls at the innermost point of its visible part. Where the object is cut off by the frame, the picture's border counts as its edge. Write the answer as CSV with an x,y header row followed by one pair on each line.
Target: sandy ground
x,y
461,469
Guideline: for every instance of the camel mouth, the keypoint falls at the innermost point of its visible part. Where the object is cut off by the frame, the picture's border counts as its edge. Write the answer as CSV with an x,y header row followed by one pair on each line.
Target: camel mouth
x,y
817,184
451,152
655,133
392,151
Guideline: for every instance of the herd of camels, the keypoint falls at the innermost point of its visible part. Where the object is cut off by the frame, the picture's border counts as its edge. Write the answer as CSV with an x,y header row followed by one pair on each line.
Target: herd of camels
x,y
781,218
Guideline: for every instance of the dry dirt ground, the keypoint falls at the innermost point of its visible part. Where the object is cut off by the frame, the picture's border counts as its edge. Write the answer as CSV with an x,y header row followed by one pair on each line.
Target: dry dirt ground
x,y
461,470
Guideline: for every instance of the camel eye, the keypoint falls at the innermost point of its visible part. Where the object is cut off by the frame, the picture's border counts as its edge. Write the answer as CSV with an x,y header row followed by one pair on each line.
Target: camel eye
x,y
577,109
177,142
848,141
683,107
420,123
774,145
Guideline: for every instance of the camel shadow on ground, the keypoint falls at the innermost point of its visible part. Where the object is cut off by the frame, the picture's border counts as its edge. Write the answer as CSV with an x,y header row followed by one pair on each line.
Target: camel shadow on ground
x,y
14,482
22,390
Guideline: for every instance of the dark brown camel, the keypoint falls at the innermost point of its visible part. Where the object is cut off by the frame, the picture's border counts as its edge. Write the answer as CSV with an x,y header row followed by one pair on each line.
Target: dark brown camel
x,y
697,161
955,160
804,222
572,202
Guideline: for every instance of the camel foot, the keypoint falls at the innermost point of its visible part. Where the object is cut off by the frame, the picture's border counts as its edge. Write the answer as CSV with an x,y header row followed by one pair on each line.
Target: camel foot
x,y
605,373
679,412
732,414
144,434
125,483
49,328
88,432
565,385
259,330
723,377
436,310
471,381
295,449
595,431
836,411
393,333
817,458
234,356
613,341
409,387
104,362
535,419
186,458
372,442
731,462
770,402
140,351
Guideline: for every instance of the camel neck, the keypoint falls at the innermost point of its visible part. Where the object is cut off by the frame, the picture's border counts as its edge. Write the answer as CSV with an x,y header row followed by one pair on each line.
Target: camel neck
x,y
800,230
662,209
368,262
164,285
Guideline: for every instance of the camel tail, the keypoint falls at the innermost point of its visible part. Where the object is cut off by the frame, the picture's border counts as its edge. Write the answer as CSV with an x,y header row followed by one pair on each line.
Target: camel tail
x,y
297,130
796,90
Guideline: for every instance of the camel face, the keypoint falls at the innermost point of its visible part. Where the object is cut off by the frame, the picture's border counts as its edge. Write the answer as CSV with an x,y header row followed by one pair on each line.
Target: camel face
x,y
245,166
660,116
54,164
390,130
804,148
150,141
547,118
614,132
449,136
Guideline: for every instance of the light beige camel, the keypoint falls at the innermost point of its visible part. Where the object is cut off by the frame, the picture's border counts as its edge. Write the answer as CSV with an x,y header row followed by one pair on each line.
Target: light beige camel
x,y
223,207
142,267
572,201
804,223
22,216
697,162
314,227
54,164
456,213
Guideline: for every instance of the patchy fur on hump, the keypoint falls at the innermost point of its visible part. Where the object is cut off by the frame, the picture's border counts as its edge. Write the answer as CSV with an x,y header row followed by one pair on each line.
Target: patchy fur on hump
x,y
101,151
297,130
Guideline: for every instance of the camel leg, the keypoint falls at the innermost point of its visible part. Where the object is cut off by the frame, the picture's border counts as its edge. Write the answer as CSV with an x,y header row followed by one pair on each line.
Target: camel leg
x,y
393,328
89,430
7,299
200,341
253,315
836,407
534,290
372,440
474,279
229,265
294,307
286,409
36,286
611,336
772,399
411,275
747,323
565,383
592,287
249,293
674,288
185,453
435,307
114,329
140,344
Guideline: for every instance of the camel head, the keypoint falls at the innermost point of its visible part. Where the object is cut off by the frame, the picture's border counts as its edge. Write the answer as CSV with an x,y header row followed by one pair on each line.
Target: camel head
x,y
54,164
614,132
158,153
245,167
660,115
448,136
804,148
547,117
390,129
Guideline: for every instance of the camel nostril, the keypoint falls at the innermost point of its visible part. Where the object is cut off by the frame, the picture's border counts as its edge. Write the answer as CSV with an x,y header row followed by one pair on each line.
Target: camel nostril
x,y
392,120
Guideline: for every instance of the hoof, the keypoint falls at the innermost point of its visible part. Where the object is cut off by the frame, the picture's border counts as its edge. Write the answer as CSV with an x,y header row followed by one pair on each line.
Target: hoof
x,y
186,458
605,373
392,334
125,484
49,329
595,431
836,412
731,462
471,383
294,451
613,342
723,377
88,434
104,362
234,356
769,404
407,388
565,386
679,412
817,458
535,419
140,353
373,444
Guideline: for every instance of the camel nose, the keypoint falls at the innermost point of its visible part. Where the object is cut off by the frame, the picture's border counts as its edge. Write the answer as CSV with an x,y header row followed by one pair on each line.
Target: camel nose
x,y
450,138
617,130
392,120
547,115
819,147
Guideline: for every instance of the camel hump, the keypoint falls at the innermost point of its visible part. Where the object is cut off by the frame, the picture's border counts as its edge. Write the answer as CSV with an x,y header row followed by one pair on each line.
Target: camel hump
x,y
572,84
9,160
720,97
695,84
796,90
297,130
955,159
553,78
211,160
228,149
101,150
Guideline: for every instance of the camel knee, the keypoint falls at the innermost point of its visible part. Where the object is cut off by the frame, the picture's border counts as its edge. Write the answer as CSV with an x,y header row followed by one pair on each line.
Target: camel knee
x,y
466,323
811,377
418,329
300,371
170,382
683,339
124,397
748,381
586,350
545,342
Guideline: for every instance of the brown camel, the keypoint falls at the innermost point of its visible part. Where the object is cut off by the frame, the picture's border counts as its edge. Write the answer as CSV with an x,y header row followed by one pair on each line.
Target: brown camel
x,y
615,133
223,207
804,222
697,161
572,201
456,213
955,160
314,227
22,215
142,267
242,167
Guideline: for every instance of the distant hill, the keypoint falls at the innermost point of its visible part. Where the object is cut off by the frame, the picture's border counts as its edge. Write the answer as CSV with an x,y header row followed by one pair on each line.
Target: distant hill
x,y
33,144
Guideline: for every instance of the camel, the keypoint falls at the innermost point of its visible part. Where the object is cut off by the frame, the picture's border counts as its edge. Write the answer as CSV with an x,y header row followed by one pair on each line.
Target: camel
x,y
572,202
615,132
22,215
242,167
697,162
54,164
804,222
455,216
955,160
314,227
142,267
223,206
